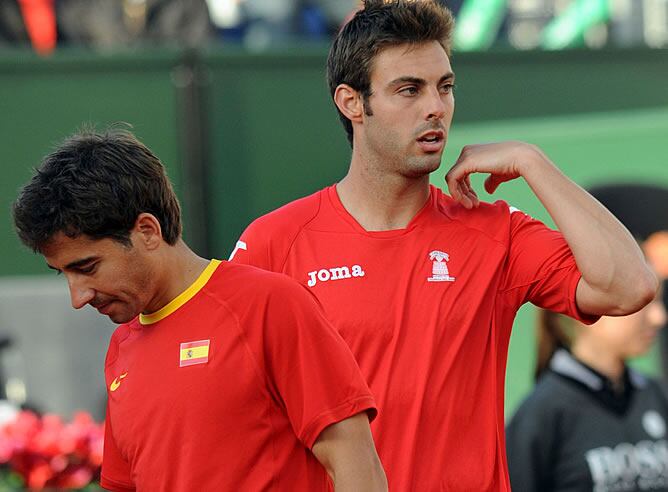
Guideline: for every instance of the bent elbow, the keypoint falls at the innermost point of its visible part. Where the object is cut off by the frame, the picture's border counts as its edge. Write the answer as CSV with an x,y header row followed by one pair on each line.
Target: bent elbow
x,y
642,292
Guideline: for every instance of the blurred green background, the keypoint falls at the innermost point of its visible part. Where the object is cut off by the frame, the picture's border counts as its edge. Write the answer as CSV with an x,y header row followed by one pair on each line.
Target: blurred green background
x,y
243,133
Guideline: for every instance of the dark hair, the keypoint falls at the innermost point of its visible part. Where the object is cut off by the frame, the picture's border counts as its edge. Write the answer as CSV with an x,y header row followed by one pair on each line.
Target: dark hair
x,y
380,24
96,184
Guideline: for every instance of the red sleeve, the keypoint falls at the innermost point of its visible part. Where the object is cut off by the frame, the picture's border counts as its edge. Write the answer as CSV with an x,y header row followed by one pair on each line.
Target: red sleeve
x,y
115,474
541,268
309,366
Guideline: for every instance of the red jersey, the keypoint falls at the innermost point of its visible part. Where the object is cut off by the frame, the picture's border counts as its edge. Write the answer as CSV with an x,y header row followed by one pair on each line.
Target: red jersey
x,y
427,311
227,388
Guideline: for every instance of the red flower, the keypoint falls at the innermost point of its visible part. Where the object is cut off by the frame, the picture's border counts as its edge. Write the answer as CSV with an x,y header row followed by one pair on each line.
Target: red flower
x,y
46,452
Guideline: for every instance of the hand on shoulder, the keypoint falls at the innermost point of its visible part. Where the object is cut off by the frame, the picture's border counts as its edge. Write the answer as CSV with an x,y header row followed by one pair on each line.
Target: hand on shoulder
x,y
503,161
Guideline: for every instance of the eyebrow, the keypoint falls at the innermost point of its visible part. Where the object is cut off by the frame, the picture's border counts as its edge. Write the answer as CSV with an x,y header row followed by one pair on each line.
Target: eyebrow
x,y
418,81
75,264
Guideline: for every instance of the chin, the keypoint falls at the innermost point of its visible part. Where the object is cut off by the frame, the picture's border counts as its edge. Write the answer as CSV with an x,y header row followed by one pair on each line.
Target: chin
x,y
420,169
120,318
419,172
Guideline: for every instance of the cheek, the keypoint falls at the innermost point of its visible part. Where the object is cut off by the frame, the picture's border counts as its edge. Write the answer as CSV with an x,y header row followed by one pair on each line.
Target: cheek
x,y
139,280
384,136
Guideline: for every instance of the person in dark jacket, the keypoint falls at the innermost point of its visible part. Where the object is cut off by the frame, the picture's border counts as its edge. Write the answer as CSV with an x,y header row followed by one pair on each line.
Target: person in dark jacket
x,y
592,423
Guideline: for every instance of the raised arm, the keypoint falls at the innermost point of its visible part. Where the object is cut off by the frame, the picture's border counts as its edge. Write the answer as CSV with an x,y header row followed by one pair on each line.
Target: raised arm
x,y
347,452
615,277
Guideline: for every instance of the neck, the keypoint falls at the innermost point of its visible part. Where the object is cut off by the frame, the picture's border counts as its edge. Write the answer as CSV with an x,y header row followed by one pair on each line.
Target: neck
x,y
380,200
178,268
610,365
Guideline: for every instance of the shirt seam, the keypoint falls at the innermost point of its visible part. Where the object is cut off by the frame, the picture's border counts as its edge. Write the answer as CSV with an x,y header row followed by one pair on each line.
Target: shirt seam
x,y
537,279
118,345
299,232
261,377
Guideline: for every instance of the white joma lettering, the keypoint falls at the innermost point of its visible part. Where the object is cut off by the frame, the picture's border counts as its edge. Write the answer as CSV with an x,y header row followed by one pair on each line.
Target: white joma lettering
x,y
335,273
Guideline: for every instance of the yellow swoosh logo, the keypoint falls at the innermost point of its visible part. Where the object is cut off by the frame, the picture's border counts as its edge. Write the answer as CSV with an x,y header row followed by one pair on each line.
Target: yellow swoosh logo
x,y
117,382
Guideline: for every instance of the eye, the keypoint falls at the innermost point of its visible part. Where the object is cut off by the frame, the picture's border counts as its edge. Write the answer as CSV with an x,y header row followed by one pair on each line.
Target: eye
x,y
88,269
409,91
447,88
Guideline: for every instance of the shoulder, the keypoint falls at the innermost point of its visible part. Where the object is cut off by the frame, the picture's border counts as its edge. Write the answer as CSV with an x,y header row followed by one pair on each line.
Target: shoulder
x,y
550,396
289,218
267,240
121,333
491,219
253,285
266,304
248,277
648,385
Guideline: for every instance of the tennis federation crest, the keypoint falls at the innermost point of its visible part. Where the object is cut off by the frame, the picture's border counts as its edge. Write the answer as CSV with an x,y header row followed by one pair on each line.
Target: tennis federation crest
x,y
439,267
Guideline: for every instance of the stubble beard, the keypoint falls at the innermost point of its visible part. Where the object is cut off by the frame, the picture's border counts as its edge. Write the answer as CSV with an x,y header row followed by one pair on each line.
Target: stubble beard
x,y
418,166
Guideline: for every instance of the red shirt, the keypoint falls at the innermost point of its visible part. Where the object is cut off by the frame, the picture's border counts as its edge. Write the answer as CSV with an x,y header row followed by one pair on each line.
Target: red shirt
x,y
227,388
427,311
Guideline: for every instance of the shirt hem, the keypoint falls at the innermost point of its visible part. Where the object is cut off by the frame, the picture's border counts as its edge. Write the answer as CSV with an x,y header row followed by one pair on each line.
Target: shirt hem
x,y
115,486
332,416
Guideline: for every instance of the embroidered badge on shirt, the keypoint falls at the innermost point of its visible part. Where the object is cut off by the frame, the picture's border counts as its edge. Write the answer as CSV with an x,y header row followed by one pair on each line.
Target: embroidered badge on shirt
x,y
439,267
192,353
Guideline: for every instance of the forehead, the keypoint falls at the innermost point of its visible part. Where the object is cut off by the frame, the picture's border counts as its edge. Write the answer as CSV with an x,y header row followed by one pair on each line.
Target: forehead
x,y
425,60
62,250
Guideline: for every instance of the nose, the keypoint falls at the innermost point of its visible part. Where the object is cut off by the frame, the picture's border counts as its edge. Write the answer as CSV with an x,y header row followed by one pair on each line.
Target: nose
x,y
80,295
437,106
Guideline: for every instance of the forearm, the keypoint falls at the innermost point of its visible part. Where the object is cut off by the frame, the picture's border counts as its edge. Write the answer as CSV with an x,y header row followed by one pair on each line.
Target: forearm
x,y
346,450
355,478
611,263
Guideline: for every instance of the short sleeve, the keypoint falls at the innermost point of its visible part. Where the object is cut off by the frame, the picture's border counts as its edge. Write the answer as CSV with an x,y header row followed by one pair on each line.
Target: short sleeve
x,y
115,474
309,366
541,268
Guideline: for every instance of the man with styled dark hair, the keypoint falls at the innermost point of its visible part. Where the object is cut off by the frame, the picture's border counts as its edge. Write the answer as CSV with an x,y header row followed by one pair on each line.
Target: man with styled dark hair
x,y
352,53
221,376
96,185
423,286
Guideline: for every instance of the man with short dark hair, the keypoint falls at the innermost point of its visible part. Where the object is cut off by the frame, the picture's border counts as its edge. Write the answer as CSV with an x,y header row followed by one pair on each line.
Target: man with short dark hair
x,y
423,286
221,376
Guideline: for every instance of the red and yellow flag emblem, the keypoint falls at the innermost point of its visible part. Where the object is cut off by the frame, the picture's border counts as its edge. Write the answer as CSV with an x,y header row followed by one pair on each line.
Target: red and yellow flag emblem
x,y
192,353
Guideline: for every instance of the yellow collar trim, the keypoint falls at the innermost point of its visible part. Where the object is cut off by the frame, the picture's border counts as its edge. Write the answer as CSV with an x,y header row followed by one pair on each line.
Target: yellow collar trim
x,y
182,298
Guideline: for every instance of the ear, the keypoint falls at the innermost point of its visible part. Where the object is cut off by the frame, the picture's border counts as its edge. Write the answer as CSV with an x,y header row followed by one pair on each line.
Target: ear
x,y
147,231
349,101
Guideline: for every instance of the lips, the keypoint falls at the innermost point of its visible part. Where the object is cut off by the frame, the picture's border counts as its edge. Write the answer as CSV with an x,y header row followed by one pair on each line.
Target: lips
x,y
103,308
431,141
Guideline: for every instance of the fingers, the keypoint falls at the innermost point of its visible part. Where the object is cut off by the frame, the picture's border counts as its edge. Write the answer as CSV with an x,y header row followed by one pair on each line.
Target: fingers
x,y
459,181
491,184
461,190
471,192
494,180
499,160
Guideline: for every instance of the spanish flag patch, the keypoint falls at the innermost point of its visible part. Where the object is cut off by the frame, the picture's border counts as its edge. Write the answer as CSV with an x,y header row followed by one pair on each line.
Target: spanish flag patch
x,y
192,353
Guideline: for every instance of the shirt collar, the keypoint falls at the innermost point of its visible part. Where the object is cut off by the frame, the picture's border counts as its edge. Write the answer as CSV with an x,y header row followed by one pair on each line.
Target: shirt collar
x,y
565,364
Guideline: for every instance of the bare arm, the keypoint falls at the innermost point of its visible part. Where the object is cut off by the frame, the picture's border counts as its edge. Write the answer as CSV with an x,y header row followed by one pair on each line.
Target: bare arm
x,y
347,452
615,277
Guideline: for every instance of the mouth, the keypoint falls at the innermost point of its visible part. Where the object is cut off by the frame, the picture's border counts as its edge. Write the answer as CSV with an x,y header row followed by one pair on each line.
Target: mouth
x,y
103,308
432,141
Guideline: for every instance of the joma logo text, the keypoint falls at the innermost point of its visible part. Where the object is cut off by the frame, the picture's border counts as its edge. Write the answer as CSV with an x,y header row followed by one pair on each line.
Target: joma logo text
x,y
336,273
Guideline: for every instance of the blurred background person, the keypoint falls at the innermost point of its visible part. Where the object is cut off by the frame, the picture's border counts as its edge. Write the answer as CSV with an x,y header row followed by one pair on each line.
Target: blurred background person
x,y
104,24
592,423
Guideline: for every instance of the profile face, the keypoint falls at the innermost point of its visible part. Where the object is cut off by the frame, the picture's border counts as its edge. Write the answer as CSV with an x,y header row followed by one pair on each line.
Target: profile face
x,y
633,335
411,106
109,276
